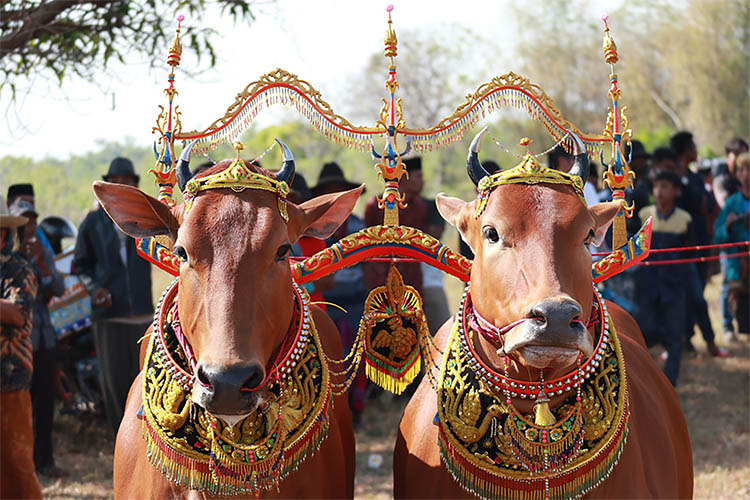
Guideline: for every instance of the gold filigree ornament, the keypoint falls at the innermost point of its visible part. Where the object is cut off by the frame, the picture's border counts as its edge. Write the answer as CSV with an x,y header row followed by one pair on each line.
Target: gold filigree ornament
x,y
529,171
237,177
195,450
493,451
393,324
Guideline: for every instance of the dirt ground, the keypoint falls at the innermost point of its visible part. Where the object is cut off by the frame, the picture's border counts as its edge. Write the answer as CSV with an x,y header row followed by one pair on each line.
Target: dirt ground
x,y
715,396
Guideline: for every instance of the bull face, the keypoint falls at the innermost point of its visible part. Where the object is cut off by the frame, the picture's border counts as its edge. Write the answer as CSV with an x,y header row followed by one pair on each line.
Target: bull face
x,y
532,260
235,294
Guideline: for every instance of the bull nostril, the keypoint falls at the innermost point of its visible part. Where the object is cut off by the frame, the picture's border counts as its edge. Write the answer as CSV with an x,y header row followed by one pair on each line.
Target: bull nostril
x,y
537,315
253,381
203,378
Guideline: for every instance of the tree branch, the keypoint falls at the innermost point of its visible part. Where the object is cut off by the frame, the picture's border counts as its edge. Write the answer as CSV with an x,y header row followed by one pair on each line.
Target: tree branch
x,y
38,20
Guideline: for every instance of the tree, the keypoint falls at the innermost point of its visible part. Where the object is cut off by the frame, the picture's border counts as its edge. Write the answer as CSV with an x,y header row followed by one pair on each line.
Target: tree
x,y
683,64
63,37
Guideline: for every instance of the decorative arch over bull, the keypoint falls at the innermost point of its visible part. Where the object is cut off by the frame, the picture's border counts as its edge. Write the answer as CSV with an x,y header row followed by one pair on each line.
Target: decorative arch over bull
x,y
531,390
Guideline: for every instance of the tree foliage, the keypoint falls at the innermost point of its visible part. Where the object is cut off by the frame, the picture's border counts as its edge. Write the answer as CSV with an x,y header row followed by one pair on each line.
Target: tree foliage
x,y
683,64
80,37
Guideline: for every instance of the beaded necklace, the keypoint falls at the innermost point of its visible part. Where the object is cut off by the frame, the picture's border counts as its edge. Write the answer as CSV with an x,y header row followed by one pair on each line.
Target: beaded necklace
x,y
198,451
494,451
526,389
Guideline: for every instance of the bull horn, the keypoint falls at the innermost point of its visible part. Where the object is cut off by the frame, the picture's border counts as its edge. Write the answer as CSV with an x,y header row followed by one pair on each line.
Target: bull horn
x,y
476,171
286,173
581,164
183,166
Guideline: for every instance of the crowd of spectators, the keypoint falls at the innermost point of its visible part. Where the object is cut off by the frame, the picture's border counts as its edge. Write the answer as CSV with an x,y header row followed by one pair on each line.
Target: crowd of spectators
x,y
688,206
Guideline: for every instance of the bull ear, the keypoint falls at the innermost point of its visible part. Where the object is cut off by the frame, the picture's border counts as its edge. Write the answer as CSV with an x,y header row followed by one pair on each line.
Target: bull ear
x,y
604,214
321,216
454,211
136,213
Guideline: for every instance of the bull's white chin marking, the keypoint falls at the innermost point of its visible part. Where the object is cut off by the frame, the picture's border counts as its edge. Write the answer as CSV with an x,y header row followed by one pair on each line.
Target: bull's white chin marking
x,y
230,420
548,356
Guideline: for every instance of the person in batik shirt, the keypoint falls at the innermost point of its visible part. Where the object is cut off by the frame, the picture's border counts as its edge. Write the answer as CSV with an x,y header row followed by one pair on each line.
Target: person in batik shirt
x,y
18,289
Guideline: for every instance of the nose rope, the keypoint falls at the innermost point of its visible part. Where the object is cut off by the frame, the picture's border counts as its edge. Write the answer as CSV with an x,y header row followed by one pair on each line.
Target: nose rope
x,y
272,369
494,333
184,344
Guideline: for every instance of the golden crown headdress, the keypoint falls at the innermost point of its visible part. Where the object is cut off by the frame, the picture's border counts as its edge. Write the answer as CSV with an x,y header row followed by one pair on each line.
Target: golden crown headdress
x,y
529,171
238,177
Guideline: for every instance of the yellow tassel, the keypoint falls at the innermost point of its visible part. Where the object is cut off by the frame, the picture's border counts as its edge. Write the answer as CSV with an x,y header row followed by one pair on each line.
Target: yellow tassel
x,y
542,415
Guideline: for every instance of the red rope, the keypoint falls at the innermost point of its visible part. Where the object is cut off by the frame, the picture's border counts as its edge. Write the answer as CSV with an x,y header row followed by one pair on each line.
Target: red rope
x,y
685,249
596,254
696,259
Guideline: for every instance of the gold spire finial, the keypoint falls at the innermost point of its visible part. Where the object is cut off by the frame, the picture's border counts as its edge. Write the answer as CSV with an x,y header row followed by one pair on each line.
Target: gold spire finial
x,y
391,41
608,45
175,48
238,146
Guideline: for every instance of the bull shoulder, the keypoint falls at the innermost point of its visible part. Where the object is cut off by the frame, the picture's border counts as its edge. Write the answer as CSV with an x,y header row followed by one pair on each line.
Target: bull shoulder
x,y
657,459
625,324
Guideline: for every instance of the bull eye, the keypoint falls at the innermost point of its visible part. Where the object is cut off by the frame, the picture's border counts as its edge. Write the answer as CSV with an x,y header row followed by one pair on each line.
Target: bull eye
x,y
490,234
283,252
180,252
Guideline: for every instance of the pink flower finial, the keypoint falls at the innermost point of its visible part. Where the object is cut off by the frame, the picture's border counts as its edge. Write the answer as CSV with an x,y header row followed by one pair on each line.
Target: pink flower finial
x,y
605,16
389,8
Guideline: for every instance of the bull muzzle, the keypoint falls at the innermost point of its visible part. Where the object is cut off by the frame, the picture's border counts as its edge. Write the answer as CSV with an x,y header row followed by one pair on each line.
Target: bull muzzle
x,y
228,390
554,336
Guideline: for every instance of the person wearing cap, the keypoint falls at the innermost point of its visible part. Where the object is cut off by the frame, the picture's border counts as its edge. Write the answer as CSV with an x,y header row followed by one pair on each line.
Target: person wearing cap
x,y
18,287
43,339
25,191
348,290
119,282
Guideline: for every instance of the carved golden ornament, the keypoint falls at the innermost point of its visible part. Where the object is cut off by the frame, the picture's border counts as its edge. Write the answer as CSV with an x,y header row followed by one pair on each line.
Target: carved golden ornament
x,y
186,444
609,48
237,177
175,48
277,76
391,325
390,41
477,427
529,171
509,79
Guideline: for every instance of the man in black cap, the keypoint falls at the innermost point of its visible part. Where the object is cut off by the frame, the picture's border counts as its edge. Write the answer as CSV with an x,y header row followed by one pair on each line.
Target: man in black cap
x,y
119,282
348,289
25,191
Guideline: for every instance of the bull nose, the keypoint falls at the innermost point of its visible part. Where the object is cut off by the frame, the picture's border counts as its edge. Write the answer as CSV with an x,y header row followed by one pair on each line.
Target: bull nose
x,y
226,389
559,316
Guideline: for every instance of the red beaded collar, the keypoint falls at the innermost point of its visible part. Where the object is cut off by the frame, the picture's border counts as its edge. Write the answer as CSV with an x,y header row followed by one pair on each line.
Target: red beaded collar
x,y
286,354
523,388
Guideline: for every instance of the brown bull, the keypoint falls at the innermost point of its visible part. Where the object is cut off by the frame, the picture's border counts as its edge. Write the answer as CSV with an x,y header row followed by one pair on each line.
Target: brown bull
x,y
236,302
532,261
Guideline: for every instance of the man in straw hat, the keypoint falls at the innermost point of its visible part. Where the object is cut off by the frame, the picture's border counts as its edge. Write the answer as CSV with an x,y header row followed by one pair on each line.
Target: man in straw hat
x,y
18,289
